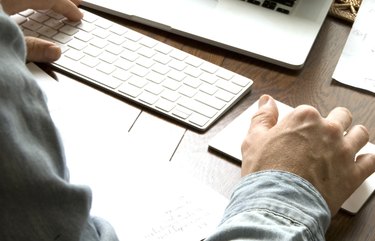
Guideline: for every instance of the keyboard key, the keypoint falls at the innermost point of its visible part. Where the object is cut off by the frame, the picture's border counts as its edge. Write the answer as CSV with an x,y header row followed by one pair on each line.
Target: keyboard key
x,y
194,61
242,81
154,88
155,77
74,54
106,68
210,68
210,101
139,70
138,82
192,82
54,23
84,36
208,89
269,4
108,57
32,25
130,90
187,91
54,15
197,107
90,61
30,33
161,69
103,23
121,74
228,86
69,30
62,38
118,29
165,105
199,119
288,3
19,19
101,33
77,44
47,31
39,17
224,95
27,13
85,26
181,112
178,54
98,42
148,98
92,51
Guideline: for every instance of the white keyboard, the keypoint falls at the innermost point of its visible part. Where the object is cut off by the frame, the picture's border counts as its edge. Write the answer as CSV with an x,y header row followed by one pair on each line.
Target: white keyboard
x,y
138,68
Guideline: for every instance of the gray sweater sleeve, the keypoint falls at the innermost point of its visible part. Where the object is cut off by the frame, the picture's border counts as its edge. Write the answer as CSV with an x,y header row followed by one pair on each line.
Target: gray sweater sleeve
x,y
37,202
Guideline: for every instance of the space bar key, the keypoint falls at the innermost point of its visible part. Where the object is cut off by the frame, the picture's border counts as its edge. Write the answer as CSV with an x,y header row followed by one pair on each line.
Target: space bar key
x,y
88,72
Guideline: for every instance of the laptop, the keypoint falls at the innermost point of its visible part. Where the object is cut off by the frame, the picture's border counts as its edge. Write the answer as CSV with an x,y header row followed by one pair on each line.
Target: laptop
x,y
236,132
281,32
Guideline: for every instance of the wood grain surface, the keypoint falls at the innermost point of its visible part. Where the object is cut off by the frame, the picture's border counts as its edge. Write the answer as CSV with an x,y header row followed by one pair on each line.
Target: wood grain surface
x,y
311,85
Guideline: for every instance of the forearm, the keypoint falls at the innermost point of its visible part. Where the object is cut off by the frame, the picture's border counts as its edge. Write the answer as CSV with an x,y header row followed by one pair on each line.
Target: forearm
x,y
274,206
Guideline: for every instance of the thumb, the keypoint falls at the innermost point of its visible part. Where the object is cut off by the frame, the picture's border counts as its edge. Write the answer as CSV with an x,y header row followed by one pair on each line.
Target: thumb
x,y
266,116
39,50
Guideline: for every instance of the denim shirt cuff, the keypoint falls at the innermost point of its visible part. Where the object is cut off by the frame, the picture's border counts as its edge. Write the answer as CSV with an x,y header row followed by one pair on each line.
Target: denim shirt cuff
x,y
284,194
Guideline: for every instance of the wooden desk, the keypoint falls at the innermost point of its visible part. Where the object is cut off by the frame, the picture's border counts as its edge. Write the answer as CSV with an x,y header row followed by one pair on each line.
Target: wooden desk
x,y
312,85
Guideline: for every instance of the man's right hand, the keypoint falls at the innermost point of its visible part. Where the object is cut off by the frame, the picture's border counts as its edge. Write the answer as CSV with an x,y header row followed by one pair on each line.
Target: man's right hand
x,y
320,150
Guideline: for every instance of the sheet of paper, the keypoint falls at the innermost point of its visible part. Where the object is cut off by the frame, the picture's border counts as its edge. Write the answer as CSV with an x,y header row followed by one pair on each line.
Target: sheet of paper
x,y
236,132
134,185
356,66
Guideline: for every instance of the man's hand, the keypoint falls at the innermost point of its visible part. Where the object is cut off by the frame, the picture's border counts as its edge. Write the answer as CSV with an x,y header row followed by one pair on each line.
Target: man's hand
x,y
39,50
308,145
68,8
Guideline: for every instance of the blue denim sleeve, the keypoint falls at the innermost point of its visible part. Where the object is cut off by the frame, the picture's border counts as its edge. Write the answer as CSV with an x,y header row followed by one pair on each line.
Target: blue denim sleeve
x,y
274,205
37,202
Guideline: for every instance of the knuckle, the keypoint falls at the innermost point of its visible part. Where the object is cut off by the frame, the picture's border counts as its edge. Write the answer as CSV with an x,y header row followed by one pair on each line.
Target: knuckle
x,y
335,129
346,148
307,112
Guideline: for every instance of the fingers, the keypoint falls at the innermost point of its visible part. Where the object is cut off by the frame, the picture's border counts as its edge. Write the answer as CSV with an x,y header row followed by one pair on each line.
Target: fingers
x,y
76,2
264,119
340,116
39,50
365,164
66,7
266,116
69,9
357,137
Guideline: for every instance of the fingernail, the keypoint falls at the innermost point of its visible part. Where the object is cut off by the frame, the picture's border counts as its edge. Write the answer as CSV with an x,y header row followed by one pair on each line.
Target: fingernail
x,y
52,53
264,99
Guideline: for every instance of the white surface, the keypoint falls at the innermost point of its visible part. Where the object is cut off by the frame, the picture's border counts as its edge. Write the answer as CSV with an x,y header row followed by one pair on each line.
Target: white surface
x,y
236,132
134,185
357,61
